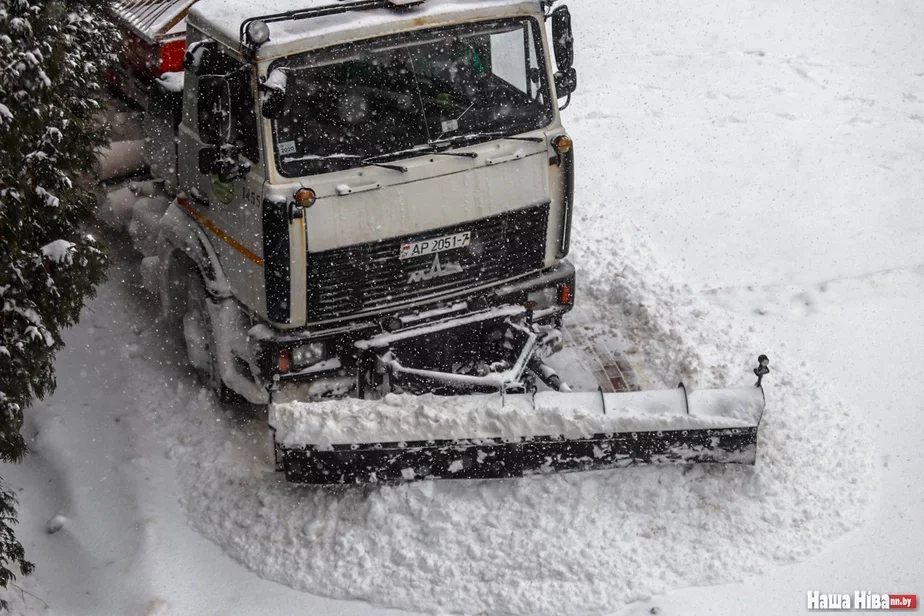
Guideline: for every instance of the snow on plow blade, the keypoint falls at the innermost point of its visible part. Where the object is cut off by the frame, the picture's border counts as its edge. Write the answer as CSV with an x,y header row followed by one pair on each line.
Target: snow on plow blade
x,y
405,438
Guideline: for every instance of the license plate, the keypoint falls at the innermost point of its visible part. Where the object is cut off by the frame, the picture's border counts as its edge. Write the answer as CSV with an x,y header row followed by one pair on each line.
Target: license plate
x,y
435,245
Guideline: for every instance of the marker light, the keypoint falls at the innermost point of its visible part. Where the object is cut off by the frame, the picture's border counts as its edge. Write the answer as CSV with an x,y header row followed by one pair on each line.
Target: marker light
x,y
562,144
564,294
305,197
257,33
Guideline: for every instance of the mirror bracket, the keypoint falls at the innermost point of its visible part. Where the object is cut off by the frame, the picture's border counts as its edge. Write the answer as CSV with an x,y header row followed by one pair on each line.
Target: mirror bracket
x,y
197,56
223,161
565,82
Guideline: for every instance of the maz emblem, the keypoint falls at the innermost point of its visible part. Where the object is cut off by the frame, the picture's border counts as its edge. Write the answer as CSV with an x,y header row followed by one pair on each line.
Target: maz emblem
x,y
436,270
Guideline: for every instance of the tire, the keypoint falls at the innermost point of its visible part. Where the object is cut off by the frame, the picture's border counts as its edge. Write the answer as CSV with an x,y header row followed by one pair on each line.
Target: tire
x,y
175,291
199,335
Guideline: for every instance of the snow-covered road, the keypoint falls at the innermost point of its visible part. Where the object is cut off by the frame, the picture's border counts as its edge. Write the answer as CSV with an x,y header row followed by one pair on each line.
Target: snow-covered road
x,y
771,157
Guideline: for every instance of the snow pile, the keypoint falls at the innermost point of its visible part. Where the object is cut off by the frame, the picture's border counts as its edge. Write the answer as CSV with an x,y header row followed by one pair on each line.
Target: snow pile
x,y
572,415
569,544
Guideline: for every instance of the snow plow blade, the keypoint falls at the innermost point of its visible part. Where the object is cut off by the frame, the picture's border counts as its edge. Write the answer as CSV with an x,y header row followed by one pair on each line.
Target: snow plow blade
x,y
403,438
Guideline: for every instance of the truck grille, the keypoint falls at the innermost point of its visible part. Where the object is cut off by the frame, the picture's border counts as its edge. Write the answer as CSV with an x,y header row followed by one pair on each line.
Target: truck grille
x,y
369,277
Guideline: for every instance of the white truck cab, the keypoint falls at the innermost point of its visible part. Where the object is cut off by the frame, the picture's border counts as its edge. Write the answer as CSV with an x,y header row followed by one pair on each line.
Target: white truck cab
x,y
361,180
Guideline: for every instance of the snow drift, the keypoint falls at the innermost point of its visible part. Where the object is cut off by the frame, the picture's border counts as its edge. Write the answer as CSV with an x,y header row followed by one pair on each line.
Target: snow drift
x,y
568,544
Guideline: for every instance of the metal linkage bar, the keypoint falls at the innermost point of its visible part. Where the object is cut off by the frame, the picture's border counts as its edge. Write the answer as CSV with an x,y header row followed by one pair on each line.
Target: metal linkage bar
x,y
323,11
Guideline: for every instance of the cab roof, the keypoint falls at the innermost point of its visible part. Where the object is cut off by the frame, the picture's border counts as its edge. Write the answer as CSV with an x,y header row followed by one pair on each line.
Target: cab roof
x,y
222,19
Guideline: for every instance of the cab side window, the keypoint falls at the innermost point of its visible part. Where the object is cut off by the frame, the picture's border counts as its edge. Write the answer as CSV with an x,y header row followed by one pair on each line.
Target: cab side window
x,y
513,59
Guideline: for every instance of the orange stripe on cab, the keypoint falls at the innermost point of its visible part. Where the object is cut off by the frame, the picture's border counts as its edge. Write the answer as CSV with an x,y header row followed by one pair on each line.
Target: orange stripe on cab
x,y
211,226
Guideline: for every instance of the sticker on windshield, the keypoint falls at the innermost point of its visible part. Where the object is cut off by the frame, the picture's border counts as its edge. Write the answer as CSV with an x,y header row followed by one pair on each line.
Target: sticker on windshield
x,y
286,147
450,125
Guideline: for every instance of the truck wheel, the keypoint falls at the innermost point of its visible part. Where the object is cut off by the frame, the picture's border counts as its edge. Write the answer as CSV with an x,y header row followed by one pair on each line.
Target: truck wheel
x,y
198,332
176,290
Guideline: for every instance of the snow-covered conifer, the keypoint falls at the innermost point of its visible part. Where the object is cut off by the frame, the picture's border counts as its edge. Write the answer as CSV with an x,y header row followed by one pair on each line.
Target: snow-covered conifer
x,y
52,58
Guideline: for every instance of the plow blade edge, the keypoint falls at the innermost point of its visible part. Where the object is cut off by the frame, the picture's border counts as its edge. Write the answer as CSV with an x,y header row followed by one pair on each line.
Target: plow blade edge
x,y
493,436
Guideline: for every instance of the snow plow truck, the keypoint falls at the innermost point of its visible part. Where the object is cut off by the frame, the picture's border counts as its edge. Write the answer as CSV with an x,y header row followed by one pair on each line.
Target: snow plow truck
x,y
359,211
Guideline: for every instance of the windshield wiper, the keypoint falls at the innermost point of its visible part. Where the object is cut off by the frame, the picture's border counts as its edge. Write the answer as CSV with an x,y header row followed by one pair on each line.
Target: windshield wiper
x,y
438,147
475,136
427,148
433,147
365,161
373,160
460,154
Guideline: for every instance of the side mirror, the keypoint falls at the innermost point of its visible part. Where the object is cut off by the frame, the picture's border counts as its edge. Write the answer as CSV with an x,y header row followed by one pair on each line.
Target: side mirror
x,y
562,39
274,98
565,82
223,161
214,109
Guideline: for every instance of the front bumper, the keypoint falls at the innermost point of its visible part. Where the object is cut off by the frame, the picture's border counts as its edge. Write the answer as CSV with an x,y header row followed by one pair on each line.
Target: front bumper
x,y
348,343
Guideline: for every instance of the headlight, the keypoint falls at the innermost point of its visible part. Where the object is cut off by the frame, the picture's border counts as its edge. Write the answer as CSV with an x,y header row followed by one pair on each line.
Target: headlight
x,y
307,354
543,298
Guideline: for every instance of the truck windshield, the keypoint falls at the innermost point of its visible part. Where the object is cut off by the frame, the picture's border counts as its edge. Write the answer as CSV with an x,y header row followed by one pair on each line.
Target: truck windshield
x,y
397,95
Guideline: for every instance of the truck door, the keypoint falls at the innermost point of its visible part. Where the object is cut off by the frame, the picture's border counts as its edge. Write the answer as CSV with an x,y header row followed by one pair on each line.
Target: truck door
x,y
221,168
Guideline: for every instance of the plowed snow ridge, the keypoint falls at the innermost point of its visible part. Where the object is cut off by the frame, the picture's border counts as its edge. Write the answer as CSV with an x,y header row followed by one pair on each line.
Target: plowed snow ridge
x,y
569,544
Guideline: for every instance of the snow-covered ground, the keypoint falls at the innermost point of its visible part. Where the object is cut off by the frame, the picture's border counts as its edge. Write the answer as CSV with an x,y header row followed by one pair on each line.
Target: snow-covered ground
x,y
750,175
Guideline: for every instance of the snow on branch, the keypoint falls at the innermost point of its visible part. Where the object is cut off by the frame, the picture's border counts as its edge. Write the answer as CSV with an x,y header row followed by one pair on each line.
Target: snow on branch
x,y
59,251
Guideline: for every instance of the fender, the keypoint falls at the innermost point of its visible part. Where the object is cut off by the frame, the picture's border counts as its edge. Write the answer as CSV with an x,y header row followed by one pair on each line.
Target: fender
x,y
182,237
180,234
